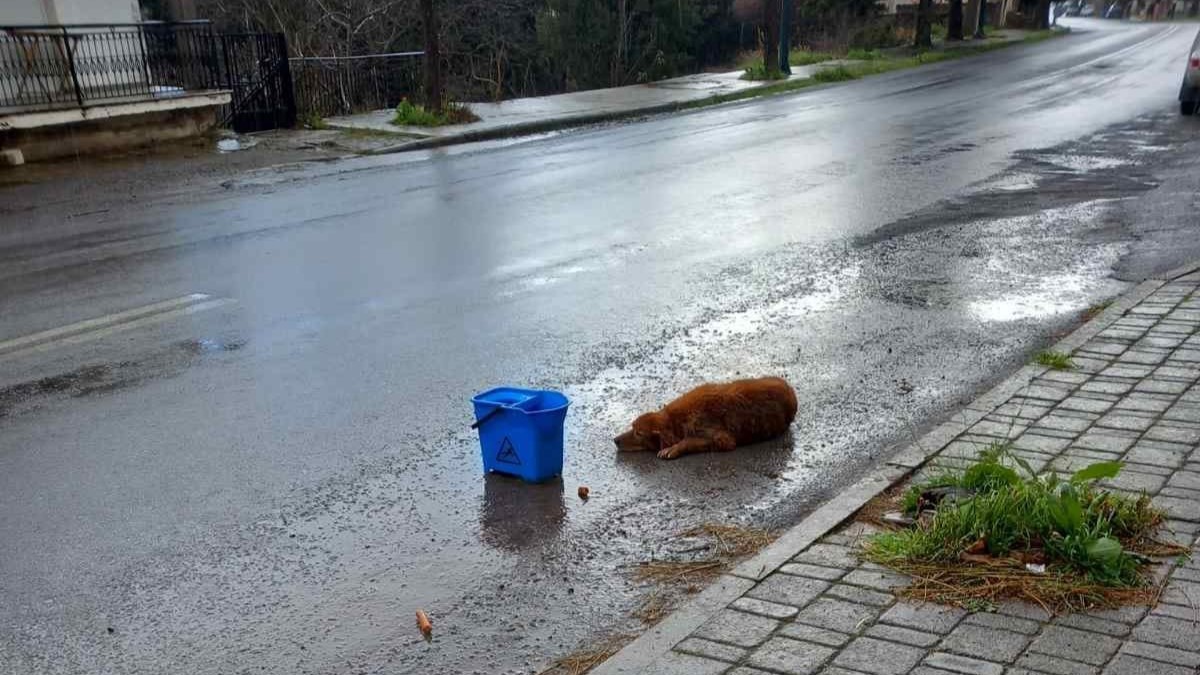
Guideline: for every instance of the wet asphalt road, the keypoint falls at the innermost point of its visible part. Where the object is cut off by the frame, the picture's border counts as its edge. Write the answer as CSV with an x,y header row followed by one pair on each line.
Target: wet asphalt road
x,y
273,482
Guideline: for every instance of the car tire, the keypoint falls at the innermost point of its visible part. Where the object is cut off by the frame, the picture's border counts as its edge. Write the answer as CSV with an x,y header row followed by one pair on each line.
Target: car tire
x,y
1187,108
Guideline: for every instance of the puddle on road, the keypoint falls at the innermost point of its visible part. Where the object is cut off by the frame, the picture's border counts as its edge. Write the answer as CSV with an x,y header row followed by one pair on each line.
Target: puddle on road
x,y
1087,163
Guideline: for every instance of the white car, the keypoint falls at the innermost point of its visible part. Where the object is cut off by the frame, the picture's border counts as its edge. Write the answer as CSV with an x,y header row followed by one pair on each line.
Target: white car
x,y
1189,93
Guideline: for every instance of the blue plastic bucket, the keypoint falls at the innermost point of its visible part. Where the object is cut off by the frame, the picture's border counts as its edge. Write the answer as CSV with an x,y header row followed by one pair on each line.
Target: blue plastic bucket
x,y
521,432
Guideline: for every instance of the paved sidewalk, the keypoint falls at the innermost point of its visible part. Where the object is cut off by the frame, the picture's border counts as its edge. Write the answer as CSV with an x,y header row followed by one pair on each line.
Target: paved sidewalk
x,y
544,113
1135,397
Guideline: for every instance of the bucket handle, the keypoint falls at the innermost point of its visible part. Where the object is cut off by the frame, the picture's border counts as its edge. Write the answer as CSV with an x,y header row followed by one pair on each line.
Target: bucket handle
x,y
490,414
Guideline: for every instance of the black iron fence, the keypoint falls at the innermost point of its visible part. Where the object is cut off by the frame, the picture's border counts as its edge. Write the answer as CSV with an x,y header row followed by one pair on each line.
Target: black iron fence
x,y
54,67
342,85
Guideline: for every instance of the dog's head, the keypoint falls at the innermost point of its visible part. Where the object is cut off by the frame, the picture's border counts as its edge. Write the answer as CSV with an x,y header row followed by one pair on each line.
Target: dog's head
x,y
648,433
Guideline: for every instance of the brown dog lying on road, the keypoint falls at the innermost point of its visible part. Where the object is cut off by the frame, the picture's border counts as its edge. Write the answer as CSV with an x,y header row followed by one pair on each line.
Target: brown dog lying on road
x,y
715,417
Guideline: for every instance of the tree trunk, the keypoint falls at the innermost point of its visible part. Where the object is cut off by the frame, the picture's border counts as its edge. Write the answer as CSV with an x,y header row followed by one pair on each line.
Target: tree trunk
x,y
924,39
771,36
433,58
1042,15
971,18
954,25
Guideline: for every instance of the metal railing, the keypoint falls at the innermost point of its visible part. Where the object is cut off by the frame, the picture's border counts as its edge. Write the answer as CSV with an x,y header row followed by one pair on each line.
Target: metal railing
x,y
82,65
342,85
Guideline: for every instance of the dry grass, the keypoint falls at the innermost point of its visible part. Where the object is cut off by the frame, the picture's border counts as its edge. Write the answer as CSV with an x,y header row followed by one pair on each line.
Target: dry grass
x,y
729,543
654,608
984,586
583,660
885,502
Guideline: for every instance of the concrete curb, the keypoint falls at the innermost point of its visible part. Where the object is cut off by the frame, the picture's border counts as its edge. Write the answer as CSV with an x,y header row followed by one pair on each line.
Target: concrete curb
x,y
656,642
558,123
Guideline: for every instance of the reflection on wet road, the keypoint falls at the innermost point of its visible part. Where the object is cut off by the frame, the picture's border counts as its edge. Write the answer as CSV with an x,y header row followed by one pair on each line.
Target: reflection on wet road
x,y
276,484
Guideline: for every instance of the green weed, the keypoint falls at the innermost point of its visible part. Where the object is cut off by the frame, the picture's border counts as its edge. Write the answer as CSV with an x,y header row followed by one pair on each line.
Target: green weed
x,y
1055,360
410,114
758,72
1078,530
835,74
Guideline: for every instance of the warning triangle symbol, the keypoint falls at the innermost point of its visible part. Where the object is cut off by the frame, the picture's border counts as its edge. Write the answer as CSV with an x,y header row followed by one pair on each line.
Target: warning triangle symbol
x,y
507,453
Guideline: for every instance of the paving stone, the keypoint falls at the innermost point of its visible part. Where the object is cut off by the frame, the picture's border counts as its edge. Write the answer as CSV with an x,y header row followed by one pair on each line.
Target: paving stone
x,y
1024,610
1045,392
1151,309
1146,402
1103,347
1126,664
1143,357
1178,657
926,670
1183,412
1187,355
1125,422
1128,371
769,609
997,429
924,616
1129,615
1065,376
1156,455
1159,342
1091,365
1092,405
1026,411
839,615
1179,508
880,580
737,628
829,556
1120,333
1004,622
786,589
879,657
1174,434
712,650
1185,594
907,636
1041,443
1094,624
747,670
1076,645
1161,386
986,643
1135,481
785,655
1185,479
962,664
1043,663
821,636
674,663
1071,463
813,571
1180,372
860,595
1108,440
1181,493
1062,422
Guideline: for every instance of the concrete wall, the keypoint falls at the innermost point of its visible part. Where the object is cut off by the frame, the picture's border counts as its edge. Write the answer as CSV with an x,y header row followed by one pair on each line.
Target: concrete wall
x,y
91,11
13,12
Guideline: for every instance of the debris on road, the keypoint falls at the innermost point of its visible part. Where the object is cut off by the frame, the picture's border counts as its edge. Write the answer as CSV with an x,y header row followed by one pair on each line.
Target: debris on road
x,y
584,492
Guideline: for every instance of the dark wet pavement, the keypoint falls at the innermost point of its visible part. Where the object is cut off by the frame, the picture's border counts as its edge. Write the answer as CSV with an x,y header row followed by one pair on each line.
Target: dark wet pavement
x,y
276,482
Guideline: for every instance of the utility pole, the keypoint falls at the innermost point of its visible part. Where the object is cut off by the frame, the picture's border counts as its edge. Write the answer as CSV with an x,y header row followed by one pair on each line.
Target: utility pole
x,y
433,59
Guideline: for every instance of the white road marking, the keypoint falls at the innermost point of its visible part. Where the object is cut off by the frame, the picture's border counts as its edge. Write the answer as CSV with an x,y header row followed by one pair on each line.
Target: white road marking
x,y
103,326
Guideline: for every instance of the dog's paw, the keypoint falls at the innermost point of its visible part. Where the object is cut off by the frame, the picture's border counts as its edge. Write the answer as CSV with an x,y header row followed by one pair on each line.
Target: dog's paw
x,y
668,453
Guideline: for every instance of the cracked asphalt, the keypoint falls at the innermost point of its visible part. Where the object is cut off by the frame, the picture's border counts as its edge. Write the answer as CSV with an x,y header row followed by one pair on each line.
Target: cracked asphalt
x,y
272,475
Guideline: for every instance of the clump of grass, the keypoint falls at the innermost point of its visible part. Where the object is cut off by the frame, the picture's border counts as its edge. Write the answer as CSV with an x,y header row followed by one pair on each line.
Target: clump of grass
x,y
758,72
864,54
1092,542
313,121
583,660
1055,360
835,74
413,115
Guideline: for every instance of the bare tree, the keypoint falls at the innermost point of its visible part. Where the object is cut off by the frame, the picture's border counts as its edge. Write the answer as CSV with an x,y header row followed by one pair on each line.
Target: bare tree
x,y
433,57
924,32
771,10
954,25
